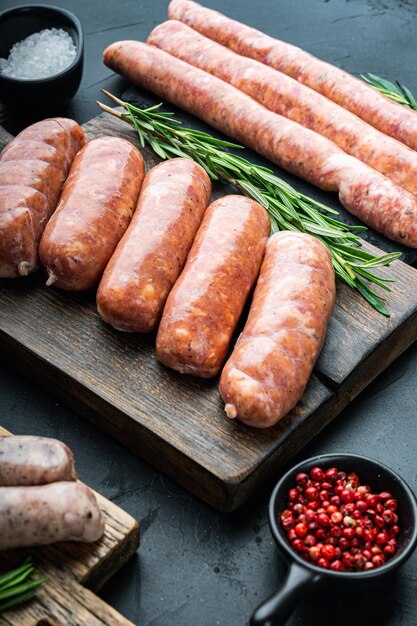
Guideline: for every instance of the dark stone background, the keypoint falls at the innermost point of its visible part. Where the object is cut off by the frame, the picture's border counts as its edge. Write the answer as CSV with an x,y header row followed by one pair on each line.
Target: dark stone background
x,y
197,567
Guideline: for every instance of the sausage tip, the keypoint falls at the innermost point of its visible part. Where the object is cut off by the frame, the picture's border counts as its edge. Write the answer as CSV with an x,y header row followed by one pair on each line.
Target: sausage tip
x,y
23,268
231,411
52,278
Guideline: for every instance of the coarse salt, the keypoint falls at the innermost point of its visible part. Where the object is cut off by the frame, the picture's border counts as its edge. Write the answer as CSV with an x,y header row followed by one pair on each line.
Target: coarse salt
x,y
40,55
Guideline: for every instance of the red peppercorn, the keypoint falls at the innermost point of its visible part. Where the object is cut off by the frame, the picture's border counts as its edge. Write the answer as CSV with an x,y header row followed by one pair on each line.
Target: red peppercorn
x,y
317,474
327,485
385,495
335,500
338,489
379,521
359,561
321,533
324,520
389,551
336,517
344,543
348,533
292,534
394,531
331,473
328,552
310,515
311,493
341,476
379,508
298,508
313,505
335,531
301,530
302,479
391,504
298,544
371,501
310,541
314,553
293,494
368,565
324,563
361,505
323,495
367,554
336,566
378,560
381,538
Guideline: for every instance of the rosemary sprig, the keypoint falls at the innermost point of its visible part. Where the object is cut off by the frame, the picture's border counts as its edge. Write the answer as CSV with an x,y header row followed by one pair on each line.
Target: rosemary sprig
x,y
287,208
394,91
15,586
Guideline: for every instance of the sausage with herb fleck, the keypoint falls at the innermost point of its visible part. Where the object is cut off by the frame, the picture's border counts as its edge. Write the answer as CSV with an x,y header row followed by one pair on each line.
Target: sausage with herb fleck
x,y
204,307
274,356
26,460
36,516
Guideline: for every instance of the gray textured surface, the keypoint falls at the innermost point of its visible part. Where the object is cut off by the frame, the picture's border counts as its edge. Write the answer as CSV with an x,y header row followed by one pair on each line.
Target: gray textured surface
x,y
196,566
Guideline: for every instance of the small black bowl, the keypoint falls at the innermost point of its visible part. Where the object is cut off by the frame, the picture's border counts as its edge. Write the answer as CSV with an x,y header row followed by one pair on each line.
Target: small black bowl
x,y
302,576
17,24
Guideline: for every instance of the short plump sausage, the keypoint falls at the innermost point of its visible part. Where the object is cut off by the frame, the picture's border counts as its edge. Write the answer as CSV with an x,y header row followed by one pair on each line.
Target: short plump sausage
x,y
95,209
332,82
33,168
152,252
366,193
26,460
284,95
36,516
204,307
272,361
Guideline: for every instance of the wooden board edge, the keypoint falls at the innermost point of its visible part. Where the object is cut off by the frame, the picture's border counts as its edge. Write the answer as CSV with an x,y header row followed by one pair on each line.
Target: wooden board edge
x,y
105,416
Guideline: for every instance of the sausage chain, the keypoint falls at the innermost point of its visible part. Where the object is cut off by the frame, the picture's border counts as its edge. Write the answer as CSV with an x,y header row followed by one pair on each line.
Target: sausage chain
x,y
364,192
284,95
332,82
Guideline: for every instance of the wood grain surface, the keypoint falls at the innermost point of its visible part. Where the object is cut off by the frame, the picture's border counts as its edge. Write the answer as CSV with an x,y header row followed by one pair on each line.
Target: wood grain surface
x,y
65,600
177,422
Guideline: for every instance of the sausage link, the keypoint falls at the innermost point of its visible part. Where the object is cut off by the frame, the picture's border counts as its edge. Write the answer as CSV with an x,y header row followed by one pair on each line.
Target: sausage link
x,y
330,81
152,252
284,95
36,516
273,358
33,168
388,208
34,461
96,205
204,306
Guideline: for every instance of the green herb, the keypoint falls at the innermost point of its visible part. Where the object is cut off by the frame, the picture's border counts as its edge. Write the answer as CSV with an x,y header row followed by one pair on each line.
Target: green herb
x,y
395,91
287,208
16,586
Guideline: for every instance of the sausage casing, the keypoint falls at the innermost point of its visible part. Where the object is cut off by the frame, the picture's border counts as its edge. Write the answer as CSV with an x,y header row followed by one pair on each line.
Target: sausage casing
x,y
332,82
272,361
33,168
369,195
95,209
204,306
36,516
26,460
152,252
284,95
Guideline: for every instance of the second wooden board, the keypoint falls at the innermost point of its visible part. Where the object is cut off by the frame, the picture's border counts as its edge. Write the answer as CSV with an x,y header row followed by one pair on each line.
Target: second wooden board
x,y
177,422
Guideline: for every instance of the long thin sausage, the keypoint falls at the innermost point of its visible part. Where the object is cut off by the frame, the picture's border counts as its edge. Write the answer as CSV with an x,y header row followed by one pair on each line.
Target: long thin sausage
x,y
373,198
33,168
95,209
334,83
152,252
28,460
284,95
36,516
204,307
273,359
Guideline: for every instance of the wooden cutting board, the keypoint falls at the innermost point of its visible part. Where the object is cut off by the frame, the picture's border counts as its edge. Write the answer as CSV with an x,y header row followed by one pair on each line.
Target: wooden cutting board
x,y
72,571
177,422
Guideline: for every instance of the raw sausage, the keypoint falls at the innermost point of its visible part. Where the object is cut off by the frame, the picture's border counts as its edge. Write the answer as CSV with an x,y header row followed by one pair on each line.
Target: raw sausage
x,y
95,209
34,461
152,252
33,168
204,307
284,95
36,516
273,358
369,195
332,82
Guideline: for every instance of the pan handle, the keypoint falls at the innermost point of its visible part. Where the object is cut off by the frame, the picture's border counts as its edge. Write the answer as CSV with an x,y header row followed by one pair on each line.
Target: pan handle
x,y
277,608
